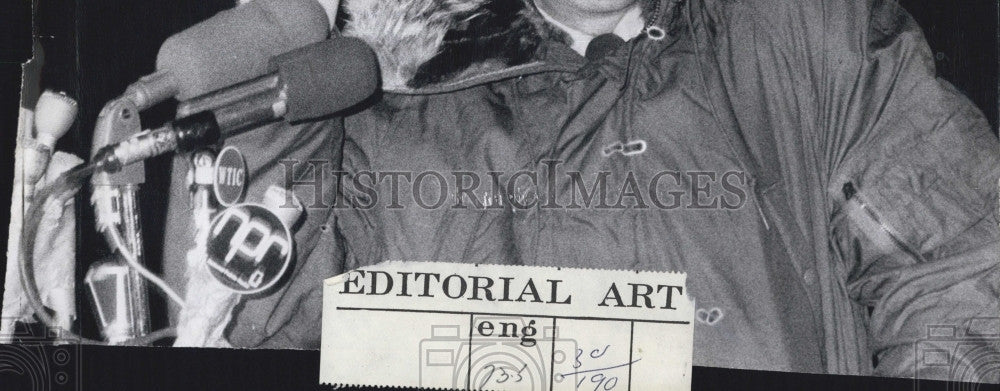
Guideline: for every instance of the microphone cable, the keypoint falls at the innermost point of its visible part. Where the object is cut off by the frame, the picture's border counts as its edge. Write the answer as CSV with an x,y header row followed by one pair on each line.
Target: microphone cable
x,y
60,190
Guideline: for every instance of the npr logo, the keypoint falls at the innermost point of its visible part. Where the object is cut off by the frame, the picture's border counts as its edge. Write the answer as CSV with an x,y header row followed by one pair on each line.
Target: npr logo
x,y
249,248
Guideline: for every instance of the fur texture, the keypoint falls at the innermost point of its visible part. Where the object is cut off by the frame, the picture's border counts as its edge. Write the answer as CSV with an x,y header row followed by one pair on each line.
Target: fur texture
x,y
421,42
405,33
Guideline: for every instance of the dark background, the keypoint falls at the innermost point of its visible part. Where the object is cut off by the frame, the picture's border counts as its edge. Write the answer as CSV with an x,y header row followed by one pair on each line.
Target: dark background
x,y
116,42
963,36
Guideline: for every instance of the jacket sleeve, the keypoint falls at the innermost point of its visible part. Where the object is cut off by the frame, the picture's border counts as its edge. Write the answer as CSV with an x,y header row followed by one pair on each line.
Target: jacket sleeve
x,y
913,169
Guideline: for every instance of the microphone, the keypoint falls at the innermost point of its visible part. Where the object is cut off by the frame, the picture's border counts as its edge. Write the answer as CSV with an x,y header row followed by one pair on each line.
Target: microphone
x,y
54,115
230,47
310,82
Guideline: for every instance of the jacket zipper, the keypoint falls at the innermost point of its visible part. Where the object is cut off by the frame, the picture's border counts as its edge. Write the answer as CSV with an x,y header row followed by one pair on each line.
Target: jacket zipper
x,y
651,21
851,194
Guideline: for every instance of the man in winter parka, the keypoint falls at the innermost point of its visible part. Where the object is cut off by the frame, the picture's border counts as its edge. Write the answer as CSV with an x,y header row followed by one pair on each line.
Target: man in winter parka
x,y
827,195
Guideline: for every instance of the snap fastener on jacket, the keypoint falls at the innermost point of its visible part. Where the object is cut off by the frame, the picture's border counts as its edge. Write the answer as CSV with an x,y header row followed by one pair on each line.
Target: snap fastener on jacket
x,y
655,33
630,148
634,147
612,148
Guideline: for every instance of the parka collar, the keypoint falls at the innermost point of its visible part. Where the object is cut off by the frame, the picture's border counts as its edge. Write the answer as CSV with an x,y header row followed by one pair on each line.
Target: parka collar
x,y
439,44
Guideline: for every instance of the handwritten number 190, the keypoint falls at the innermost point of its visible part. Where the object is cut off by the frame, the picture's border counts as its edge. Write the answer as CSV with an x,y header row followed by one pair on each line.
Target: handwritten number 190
x,y
601,382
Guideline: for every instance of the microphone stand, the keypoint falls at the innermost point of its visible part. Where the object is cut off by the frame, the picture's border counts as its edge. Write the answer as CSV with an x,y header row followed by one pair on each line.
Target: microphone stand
x,y
116,206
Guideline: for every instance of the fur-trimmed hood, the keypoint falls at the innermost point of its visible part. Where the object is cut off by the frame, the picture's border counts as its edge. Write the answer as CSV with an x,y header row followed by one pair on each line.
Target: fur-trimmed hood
x,y
423,42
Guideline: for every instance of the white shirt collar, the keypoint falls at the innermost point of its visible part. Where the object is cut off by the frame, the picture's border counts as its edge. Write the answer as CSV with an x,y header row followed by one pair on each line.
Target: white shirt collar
x,y
627,28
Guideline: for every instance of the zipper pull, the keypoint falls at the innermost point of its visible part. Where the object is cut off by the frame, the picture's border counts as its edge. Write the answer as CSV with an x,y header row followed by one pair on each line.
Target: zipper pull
x,y
759,203
760,210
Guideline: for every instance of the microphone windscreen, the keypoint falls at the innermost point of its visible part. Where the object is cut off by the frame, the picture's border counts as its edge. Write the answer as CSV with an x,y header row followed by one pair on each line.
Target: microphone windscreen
x,y
236,45
327,77
602,45
54,115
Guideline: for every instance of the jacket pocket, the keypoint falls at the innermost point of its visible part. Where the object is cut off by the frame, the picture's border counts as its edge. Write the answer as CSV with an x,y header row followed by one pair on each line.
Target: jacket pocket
x,y
869,247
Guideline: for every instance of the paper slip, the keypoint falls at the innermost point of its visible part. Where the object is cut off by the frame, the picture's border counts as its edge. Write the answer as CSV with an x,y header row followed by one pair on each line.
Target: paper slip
x,y
490,327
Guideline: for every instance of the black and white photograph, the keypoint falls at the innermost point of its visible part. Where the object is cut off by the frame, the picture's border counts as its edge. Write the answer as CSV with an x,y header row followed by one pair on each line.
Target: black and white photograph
x,y
504,194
